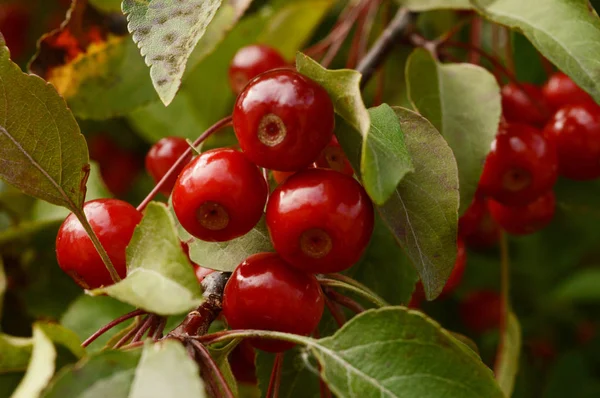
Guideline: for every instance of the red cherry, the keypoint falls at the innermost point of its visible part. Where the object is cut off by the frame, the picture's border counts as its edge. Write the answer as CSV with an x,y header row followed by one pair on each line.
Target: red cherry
x,y
283,120
242,361
320,220
476,225
101,147
14,25
113,221
521,165
120,170
560,91
265,293
162,156
333,158
251,61
220,195
524,104
481,311
527,219
575,130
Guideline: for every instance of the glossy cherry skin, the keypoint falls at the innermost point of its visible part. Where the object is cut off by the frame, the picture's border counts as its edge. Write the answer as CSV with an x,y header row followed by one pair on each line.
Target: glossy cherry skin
x,y
320,220
265,293
283,120
527,219
220,195
524,104
560,91
521,165
481,311
113,221
334,158
251,61
162,156
575,130
477,227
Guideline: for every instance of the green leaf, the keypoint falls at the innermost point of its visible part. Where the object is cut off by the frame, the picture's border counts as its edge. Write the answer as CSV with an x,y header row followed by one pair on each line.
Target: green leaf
x,y
3,285
581,287
107,374
166,33
16,352
166,370
61,335
220,356
159,277
463,102
385,159
343,87
87,314
426,5
41,366
564,31
226,256
508,364
107,5
394,352
42,151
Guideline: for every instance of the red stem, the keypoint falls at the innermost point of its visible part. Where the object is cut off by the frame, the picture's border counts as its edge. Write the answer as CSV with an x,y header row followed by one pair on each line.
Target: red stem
x,y
143,329
211,130
345,301
275,380
111,325
475,38
127,337
337,314
209,362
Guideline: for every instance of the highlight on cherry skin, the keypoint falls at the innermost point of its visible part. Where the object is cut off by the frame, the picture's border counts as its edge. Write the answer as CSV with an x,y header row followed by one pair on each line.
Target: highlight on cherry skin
x,y
113,221
250,61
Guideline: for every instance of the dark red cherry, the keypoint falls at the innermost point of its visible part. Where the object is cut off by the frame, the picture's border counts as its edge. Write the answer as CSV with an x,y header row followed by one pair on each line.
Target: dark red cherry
x,y
481,311
524,104
283,120
560,91
243,363
220,195
476,225
14,25
120,170
251,61
526,219
333,158
521,165
162,156
113,221
575,131
265,293
320,220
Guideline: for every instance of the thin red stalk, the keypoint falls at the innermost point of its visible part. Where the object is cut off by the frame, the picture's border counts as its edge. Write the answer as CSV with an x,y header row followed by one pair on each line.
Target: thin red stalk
x,y
133,345
158,333
156,321
475,39
337,314
496,49
143,329
275,380
508,51
125,339
495,62
211,130
333,35
347,24
353,53
453,31
111,325
345,301
209,362
368,27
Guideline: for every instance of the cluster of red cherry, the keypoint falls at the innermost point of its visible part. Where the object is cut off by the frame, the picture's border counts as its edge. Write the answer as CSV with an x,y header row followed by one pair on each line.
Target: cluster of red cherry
x,y
319,218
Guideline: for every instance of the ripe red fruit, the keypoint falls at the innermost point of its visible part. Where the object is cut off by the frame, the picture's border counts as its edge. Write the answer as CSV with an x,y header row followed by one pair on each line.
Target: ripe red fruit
x,y
521,165
527,219
220,195
560,90
524,104
283,120
162,156
575,131
251,61
265,293
320,220
333,158
120,170
113,221
14,25
481,311
476,225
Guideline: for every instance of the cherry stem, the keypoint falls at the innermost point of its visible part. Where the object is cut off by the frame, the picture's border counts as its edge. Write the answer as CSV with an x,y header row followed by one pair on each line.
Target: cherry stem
x,y
131,346
125,339
275,380
160,328
345,301
111,325
143,328
475,38
209,363
504,293
336,312
374,296
210,131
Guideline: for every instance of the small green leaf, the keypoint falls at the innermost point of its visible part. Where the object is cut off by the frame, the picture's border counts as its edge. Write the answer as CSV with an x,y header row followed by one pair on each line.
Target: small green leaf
x,y
508,363
107,374
564,31
16,352
41,366
159,277
226,256
166,33
581,287
42,151
426,5
166,370
463,102
343,87
61,335
220,356
385,159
